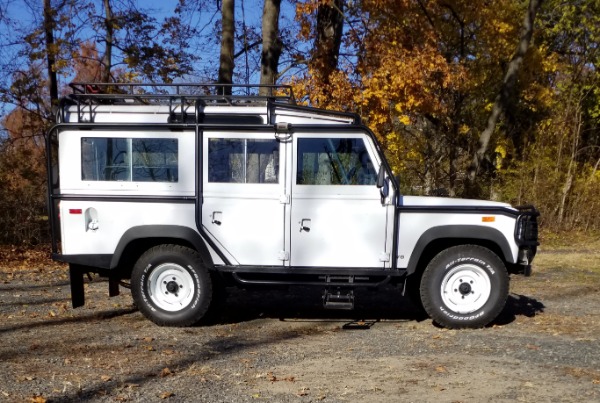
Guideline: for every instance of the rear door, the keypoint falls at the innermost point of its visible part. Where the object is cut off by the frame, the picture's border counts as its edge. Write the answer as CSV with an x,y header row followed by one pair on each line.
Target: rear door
x,y
244,196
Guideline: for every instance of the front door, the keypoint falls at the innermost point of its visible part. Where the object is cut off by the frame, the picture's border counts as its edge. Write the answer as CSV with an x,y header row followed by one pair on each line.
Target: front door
x,y
337,216
244,196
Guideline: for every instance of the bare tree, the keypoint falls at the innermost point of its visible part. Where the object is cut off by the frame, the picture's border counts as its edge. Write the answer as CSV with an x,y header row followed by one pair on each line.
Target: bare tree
x,y
503,100
330,23
49,26
226,59
107,57
271,44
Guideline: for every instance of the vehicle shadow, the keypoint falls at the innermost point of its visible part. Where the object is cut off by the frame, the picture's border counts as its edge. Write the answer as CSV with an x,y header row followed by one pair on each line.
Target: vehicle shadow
x,y
518,305
32,287
371,306
306,304
91,317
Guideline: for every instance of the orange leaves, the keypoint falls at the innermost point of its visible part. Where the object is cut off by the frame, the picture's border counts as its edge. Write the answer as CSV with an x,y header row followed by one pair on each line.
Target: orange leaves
x,y
418,73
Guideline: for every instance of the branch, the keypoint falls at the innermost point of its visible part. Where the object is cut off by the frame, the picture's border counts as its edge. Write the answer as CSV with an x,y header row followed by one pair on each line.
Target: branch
x,y
291,66
247,48
508,87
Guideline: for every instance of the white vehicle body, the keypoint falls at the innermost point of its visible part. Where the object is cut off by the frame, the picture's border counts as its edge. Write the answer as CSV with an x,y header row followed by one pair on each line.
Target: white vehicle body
x,y
264,192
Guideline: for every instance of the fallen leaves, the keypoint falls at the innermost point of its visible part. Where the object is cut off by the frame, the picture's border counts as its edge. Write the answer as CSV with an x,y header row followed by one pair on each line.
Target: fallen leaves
x,y
23,260
440,369
166,395
303,392
272,378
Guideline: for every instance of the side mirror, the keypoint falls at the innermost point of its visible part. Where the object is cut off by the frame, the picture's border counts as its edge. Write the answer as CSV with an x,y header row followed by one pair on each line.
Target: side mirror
x,y
380,177
383,184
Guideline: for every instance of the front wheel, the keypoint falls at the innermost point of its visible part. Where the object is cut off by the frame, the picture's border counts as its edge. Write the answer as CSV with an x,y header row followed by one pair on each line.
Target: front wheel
x,y
170,286
464,287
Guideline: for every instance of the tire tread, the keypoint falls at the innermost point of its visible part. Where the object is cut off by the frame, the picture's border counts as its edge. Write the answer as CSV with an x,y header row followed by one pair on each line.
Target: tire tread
x,y
433,270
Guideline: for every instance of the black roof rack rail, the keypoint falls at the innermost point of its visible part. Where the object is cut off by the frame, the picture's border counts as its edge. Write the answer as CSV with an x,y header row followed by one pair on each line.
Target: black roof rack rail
x,y
151,93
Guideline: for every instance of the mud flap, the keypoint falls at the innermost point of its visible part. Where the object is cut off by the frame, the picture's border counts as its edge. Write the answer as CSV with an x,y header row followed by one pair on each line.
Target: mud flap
x,y
113,286
77,290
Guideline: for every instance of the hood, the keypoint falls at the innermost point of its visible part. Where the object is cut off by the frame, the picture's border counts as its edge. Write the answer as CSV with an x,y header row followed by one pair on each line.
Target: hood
x,y
447,201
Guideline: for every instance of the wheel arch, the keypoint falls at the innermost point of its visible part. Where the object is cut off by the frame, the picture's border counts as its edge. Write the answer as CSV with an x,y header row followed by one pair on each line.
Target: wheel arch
x,y
136,240
436,239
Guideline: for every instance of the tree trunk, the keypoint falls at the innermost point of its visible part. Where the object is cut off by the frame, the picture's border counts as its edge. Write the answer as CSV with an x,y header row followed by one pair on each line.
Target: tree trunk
x,y
107,57
49,25
226,63
330,23
271,46
568,186
503,99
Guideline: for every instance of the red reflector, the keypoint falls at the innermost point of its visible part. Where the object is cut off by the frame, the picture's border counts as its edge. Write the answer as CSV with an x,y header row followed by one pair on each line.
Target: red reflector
x,y
74,211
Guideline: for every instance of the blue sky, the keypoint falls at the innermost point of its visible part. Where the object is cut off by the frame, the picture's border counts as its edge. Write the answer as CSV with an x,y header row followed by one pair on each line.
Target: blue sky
x,y
25,14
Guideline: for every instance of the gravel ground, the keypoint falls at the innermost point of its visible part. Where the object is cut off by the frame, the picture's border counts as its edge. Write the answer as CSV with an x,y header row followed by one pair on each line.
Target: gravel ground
x,y
281,346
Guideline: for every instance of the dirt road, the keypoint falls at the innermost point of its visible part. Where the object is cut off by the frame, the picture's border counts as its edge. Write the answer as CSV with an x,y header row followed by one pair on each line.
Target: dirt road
x,y
282,346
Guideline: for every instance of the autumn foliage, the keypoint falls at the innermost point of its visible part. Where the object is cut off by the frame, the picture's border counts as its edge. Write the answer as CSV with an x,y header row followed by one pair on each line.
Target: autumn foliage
x,y
423,75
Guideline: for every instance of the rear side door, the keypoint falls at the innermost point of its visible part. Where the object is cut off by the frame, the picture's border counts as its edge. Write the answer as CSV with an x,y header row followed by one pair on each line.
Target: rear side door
x,y
244,196
337,216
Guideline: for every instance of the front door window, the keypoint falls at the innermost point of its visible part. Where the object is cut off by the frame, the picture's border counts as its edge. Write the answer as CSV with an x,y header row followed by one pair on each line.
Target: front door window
x,y
334,161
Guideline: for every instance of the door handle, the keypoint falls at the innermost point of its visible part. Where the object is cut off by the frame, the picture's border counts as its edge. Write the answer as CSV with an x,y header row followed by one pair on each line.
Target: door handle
x,y
304,224
216,217
93,225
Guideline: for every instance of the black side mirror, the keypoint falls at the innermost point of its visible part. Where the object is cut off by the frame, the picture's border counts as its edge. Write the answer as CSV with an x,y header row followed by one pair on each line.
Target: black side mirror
x,y
380,177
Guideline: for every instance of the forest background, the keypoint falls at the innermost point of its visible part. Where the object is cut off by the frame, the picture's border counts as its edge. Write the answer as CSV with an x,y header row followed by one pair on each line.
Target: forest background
x,y
498,100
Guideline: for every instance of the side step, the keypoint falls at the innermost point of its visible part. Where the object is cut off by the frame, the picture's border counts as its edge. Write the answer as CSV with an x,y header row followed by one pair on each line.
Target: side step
x,y
339,299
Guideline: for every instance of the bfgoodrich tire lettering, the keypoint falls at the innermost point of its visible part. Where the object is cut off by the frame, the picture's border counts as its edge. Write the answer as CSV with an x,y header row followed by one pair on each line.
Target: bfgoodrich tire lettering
x,y
464,287
170,286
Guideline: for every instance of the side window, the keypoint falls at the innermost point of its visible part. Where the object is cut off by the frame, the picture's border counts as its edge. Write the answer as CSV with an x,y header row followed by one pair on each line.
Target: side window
x,y
129,160
334,161
243,160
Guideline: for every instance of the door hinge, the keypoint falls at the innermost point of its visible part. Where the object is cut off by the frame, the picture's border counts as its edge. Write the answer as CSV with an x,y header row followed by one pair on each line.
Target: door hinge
x,y
284,255
384,257
284,199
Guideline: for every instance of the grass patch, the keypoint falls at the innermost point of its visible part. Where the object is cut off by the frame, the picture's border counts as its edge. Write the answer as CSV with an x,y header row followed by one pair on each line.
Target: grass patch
x,y
570,241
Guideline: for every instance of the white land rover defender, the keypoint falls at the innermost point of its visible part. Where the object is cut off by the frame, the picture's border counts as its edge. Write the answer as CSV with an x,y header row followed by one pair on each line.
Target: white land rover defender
x,y
180,193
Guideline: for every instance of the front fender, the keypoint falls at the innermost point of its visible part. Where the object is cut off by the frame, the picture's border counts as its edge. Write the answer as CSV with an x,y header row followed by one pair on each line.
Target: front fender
x,y
465,233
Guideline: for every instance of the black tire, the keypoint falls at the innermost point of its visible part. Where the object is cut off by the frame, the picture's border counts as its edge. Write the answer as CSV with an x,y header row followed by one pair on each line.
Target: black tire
x,y
464,287
170,286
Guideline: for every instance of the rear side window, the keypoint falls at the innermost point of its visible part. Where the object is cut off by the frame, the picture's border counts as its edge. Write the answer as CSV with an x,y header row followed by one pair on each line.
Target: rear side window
x,y
243,160
129,160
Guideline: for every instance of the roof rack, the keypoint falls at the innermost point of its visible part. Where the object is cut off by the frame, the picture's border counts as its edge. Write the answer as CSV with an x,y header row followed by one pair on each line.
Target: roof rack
x,y
184,103
150,93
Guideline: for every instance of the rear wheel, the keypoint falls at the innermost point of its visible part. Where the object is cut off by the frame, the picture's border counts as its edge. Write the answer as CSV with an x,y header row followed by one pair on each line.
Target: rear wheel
x,y
170,286
464,287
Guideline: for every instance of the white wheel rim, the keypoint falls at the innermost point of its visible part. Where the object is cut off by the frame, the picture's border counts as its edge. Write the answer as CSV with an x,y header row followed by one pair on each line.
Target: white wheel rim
x,y
466,288
171,287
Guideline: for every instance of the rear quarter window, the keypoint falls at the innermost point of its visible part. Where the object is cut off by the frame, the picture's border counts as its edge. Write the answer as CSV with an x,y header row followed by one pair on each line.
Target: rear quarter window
x,y
129,159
